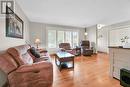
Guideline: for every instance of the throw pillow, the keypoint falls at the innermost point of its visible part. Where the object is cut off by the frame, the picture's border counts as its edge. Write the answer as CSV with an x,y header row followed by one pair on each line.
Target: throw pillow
x,y
34,52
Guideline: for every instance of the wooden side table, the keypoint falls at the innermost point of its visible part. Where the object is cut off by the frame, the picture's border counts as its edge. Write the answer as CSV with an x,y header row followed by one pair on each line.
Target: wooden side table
x,y
78,51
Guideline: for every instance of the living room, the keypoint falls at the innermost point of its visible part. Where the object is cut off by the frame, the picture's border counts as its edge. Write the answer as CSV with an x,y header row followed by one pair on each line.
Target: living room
x,y
72,40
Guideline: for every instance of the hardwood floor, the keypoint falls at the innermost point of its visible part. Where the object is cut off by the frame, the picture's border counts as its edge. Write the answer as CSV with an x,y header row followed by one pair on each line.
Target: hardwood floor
x,y
88,72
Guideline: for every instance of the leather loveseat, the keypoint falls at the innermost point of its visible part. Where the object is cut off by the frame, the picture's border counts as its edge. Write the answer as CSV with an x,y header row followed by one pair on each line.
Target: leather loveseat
x,y
23,71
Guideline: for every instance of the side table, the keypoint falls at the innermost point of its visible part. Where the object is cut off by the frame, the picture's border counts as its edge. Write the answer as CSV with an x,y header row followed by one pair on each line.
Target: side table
x,y
78,51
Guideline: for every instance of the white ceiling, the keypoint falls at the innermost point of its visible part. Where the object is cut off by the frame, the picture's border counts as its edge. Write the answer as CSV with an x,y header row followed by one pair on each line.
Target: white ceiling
x,y
80,13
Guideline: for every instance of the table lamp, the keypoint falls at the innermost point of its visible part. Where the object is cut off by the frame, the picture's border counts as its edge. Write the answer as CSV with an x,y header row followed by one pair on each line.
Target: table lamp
x,y
37,42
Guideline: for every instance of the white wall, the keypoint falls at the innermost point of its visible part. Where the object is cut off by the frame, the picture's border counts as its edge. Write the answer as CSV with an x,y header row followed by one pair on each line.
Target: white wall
x,y
6,42
92,36
102,42
39,30
111,35
118,31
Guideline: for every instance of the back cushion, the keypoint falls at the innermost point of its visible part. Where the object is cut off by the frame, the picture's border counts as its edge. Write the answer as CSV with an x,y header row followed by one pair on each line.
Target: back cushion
x,y
85,47
66,46
7,63
85,43
20,54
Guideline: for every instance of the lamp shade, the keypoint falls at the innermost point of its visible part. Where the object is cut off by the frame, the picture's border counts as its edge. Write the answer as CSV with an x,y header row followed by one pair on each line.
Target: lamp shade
x,y
37,41
85,33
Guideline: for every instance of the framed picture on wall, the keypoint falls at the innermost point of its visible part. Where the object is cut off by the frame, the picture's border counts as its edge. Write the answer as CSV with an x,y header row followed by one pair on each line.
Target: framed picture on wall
x,y
14,25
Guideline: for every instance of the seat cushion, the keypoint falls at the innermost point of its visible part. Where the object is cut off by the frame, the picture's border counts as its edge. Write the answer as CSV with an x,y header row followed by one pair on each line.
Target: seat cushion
x,y
44,57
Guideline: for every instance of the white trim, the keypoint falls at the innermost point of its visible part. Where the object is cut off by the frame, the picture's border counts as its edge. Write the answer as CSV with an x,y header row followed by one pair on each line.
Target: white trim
x,y
115,28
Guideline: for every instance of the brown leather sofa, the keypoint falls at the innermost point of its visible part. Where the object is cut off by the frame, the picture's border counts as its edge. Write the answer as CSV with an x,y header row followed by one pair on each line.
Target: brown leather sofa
x,y
23,71
66,47
85,47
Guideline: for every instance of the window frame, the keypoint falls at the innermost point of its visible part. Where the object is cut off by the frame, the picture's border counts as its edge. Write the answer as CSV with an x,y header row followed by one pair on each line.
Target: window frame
x,y
55,39
61,29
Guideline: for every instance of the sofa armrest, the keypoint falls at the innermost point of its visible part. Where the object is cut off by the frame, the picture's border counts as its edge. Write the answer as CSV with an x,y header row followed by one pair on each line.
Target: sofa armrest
x,y
35,67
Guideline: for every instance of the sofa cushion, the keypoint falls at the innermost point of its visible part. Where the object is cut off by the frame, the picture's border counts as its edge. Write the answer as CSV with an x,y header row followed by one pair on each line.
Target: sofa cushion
x,y
7,63
34,52
66,46
20,54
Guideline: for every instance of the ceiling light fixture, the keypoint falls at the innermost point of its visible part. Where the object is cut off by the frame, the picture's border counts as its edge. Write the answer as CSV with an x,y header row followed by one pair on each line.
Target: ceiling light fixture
x,y
85,32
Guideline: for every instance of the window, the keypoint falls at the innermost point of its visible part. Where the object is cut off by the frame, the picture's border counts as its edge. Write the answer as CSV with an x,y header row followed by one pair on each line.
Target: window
x,y
55,37
60,37
51,38
68,38
75,39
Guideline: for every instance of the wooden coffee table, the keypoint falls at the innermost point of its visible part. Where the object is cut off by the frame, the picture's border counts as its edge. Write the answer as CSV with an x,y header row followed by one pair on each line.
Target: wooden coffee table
x,y
64,58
